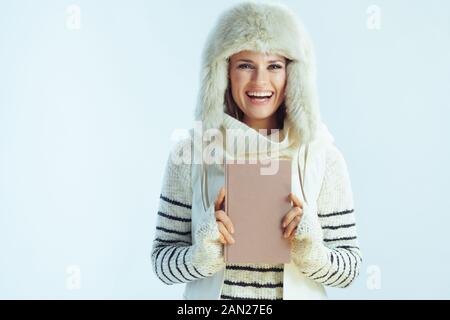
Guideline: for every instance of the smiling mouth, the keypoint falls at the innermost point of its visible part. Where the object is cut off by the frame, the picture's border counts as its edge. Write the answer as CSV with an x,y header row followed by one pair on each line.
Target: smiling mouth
x,y
259,96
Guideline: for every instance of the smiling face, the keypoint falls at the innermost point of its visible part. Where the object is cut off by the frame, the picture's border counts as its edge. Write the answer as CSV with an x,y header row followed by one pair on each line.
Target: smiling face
x,y
258,82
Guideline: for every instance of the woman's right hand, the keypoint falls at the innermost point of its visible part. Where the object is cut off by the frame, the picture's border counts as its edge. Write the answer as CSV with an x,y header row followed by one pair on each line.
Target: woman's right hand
x,y
223,221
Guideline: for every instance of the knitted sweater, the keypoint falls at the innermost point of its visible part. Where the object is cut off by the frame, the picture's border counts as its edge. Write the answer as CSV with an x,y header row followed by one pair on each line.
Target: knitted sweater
x,y
328,254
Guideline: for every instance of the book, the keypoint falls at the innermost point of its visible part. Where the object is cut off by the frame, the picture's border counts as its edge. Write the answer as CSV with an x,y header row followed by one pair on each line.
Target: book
x,y
256,203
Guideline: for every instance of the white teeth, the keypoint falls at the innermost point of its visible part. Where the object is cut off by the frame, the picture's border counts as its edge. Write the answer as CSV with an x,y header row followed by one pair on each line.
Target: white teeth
x,y
260,94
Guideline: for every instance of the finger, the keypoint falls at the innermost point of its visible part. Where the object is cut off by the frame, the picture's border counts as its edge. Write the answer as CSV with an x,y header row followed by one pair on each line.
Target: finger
x,y
223,230
291,226
295,200
225,219
292,213
219,200
222,239
293,234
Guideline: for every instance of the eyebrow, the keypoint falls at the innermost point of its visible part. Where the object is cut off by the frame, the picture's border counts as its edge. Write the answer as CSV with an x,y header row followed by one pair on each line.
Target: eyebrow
x,y
271,61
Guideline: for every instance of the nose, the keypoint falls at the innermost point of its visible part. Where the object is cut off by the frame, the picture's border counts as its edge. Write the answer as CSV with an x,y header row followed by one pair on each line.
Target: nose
x,y
261,76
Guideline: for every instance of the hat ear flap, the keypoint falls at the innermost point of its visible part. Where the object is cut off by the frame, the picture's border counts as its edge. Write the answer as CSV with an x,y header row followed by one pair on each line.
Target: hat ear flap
x,y
211,103
301,104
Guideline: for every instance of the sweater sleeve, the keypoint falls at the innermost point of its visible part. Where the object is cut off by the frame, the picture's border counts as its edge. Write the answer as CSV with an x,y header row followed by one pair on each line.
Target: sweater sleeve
x,y
326,244
174,258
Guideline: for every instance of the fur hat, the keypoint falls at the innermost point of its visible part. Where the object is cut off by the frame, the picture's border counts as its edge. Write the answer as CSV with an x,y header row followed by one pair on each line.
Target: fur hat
x,y
264,27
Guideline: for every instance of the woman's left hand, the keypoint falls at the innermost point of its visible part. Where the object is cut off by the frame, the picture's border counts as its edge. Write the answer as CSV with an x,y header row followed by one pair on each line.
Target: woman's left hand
x,y
292,218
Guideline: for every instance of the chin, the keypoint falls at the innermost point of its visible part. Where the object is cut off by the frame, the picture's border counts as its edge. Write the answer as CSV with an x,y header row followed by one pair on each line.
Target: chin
x,y
260,113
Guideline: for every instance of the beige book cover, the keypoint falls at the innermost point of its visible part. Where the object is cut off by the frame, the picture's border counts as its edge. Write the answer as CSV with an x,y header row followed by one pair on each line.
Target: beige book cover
x,y
256,203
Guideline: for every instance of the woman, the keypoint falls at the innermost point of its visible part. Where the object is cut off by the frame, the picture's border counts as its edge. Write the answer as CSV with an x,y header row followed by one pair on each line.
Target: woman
x,y
258,74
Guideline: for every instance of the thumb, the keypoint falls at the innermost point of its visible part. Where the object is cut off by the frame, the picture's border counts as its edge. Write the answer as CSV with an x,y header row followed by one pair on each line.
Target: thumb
x,y
218,204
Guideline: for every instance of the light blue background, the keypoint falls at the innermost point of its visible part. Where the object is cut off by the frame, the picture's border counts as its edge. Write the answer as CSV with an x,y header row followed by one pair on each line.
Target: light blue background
x,y
86,118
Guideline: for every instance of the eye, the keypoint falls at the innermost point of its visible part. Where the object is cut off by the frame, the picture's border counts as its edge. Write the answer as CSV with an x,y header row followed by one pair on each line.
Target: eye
x,y
275,66
245,66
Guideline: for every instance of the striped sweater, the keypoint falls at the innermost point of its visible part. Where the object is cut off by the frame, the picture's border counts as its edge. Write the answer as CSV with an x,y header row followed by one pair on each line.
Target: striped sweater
x,y
327,253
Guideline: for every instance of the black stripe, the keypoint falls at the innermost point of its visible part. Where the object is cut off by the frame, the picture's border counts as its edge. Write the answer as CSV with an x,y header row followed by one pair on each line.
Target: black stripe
x,y
347,247
198,272
186,266
162,265
355,264
340,213
177,266
331,262
247,268
317,271
195,269
349,271
174,231
345,265
329,270
340,239
253,284
339,227
322,276
172,241
353,254
168,263
156,266
156,254
356,273
158,245
224,296
177,203
352,249
165,215
312,275
337,269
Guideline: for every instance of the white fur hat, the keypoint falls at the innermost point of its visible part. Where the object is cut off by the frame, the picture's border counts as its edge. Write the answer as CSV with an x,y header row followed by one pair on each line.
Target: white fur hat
x,y
265,27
